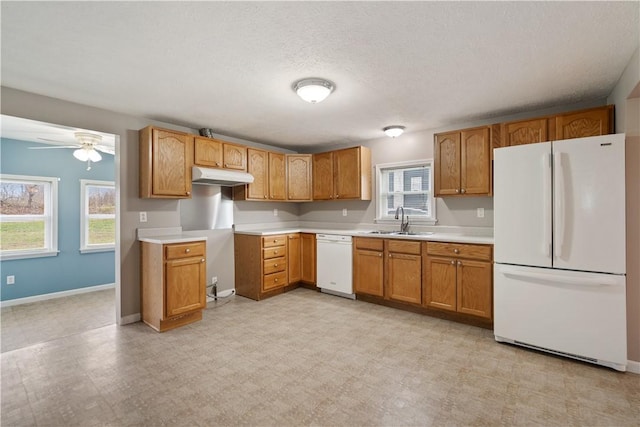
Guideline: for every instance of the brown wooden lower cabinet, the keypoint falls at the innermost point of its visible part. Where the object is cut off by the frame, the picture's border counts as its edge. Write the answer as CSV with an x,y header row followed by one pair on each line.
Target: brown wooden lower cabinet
x,y
427,277
308,258
458,277
173,281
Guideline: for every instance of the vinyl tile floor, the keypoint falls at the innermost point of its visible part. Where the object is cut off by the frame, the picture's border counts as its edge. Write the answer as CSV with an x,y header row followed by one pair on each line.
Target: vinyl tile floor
x,y
306,358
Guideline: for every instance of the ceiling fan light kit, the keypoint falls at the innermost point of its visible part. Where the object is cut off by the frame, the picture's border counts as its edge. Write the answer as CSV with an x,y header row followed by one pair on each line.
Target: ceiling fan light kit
x,y
313,90
393,131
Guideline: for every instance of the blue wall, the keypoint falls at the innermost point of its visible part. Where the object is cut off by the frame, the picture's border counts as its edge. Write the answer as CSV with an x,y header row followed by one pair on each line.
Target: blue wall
x,y
70,269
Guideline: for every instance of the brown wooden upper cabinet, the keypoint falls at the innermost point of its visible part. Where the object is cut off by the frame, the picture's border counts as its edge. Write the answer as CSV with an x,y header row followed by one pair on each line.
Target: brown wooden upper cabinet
x,y
575,124
258,166
299,177
166,157
524,132
463,163
593,122
215,153
277,176
342,174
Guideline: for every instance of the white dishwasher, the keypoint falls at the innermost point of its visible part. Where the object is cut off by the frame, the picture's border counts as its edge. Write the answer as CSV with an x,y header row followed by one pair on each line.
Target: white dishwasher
x,y
334,265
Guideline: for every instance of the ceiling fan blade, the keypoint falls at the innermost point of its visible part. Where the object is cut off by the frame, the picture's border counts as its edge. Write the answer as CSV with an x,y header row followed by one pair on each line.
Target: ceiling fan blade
x,y
59,141
53,147
105,149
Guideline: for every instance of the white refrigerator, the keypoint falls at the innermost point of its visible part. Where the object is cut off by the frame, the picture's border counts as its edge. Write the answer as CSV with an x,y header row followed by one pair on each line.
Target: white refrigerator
x,y
559,229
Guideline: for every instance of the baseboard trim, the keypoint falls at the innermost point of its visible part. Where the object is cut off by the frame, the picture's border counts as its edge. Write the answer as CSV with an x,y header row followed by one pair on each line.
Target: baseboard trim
x,y
54,295
132,318
633,367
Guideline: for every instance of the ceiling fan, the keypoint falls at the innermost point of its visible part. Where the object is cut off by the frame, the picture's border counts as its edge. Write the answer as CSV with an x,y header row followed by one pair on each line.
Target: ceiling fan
x,y
87,147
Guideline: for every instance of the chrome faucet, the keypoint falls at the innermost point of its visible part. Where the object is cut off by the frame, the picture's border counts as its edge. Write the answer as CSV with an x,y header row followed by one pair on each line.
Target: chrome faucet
x,y
403,225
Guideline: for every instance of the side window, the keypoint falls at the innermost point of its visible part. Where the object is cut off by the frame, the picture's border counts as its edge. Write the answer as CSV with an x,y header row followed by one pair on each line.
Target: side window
x,y
28,216
98,216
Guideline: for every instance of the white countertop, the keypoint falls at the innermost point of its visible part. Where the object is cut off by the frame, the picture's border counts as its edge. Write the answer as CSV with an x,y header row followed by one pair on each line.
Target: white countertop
x,y
435,237
176,238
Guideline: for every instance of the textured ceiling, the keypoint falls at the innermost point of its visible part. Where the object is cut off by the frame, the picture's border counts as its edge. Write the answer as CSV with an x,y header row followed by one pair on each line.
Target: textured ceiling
x,y
230,66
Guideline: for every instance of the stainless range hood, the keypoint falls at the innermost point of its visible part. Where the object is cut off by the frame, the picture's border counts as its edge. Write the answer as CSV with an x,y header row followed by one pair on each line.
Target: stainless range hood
x,y
222,177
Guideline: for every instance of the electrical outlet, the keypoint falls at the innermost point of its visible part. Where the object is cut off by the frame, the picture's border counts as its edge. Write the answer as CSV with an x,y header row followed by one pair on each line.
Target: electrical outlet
x,y
143,217
214,280
480,212
11,280
275,212
344,212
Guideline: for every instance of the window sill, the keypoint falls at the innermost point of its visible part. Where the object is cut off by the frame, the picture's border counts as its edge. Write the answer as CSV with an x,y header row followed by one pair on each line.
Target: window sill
x,y
412,221
96,250
26,255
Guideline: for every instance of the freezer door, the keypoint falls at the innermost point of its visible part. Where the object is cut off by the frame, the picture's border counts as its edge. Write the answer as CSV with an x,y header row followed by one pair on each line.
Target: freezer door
x,y
581,314
589,204
522,204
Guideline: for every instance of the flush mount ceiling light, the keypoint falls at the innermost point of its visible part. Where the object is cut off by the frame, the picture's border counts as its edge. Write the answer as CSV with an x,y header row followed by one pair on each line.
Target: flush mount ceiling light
x,y
313,90
393,131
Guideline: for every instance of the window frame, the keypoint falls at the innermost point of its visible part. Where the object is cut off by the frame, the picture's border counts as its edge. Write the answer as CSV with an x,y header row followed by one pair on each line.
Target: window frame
x,y
50,217
419,220
85,247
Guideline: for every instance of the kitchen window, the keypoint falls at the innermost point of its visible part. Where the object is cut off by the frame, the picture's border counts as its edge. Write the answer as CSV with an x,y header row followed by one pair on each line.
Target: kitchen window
x,y
28,216
406,184
98,216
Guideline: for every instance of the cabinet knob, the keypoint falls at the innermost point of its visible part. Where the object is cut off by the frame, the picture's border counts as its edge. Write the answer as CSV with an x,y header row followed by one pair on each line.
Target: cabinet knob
x,y
463,191
275,265
275,280
187,250
265,196
331,197
459,262
389,255
380,255
275,252
217,163
337,196
188,193
453,262
226,165
456,251
457,191
201,259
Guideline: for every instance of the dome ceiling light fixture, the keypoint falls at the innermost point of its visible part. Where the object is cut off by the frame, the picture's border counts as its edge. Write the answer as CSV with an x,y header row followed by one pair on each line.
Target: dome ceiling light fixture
x,y
313,90
393,131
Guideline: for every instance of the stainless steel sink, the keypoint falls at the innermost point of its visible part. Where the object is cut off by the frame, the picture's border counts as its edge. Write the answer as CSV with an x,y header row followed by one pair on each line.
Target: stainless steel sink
x,y
401,233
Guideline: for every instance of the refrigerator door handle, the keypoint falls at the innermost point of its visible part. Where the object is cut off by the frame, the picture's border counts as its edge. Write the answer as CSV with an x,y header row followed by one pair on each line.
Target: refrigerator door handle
x,y
560,279
546,204
559,207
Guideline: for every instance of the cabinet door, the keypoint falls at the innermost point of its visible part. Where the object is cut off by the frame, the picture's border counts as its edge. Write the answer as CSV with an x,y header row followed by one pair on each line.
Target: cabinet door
x,y
447,164
294,258
368,272
474,288
346,172
586,123
475,172
404,276
299,176
308,258
172,155
323,176
235,157
440,283
185,286
525,132
277,173
257,165
208,152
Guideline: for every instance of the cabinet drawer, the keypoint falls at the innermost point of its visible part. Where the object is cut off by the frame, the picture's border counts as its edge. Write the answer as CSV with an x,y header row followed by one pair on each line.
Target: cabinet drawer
x,y
275,280
271,241
403,247
460,250
275,252
184,250
373,244
274,265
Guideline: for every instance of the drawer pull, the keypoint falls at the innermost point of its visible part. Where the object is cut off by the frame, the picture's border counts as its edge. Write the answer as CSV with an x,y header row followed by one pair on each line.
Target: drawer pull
x,y
202,260
463,191
459,262
187,250
275,280
275,252
275,265
456,251
453,262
